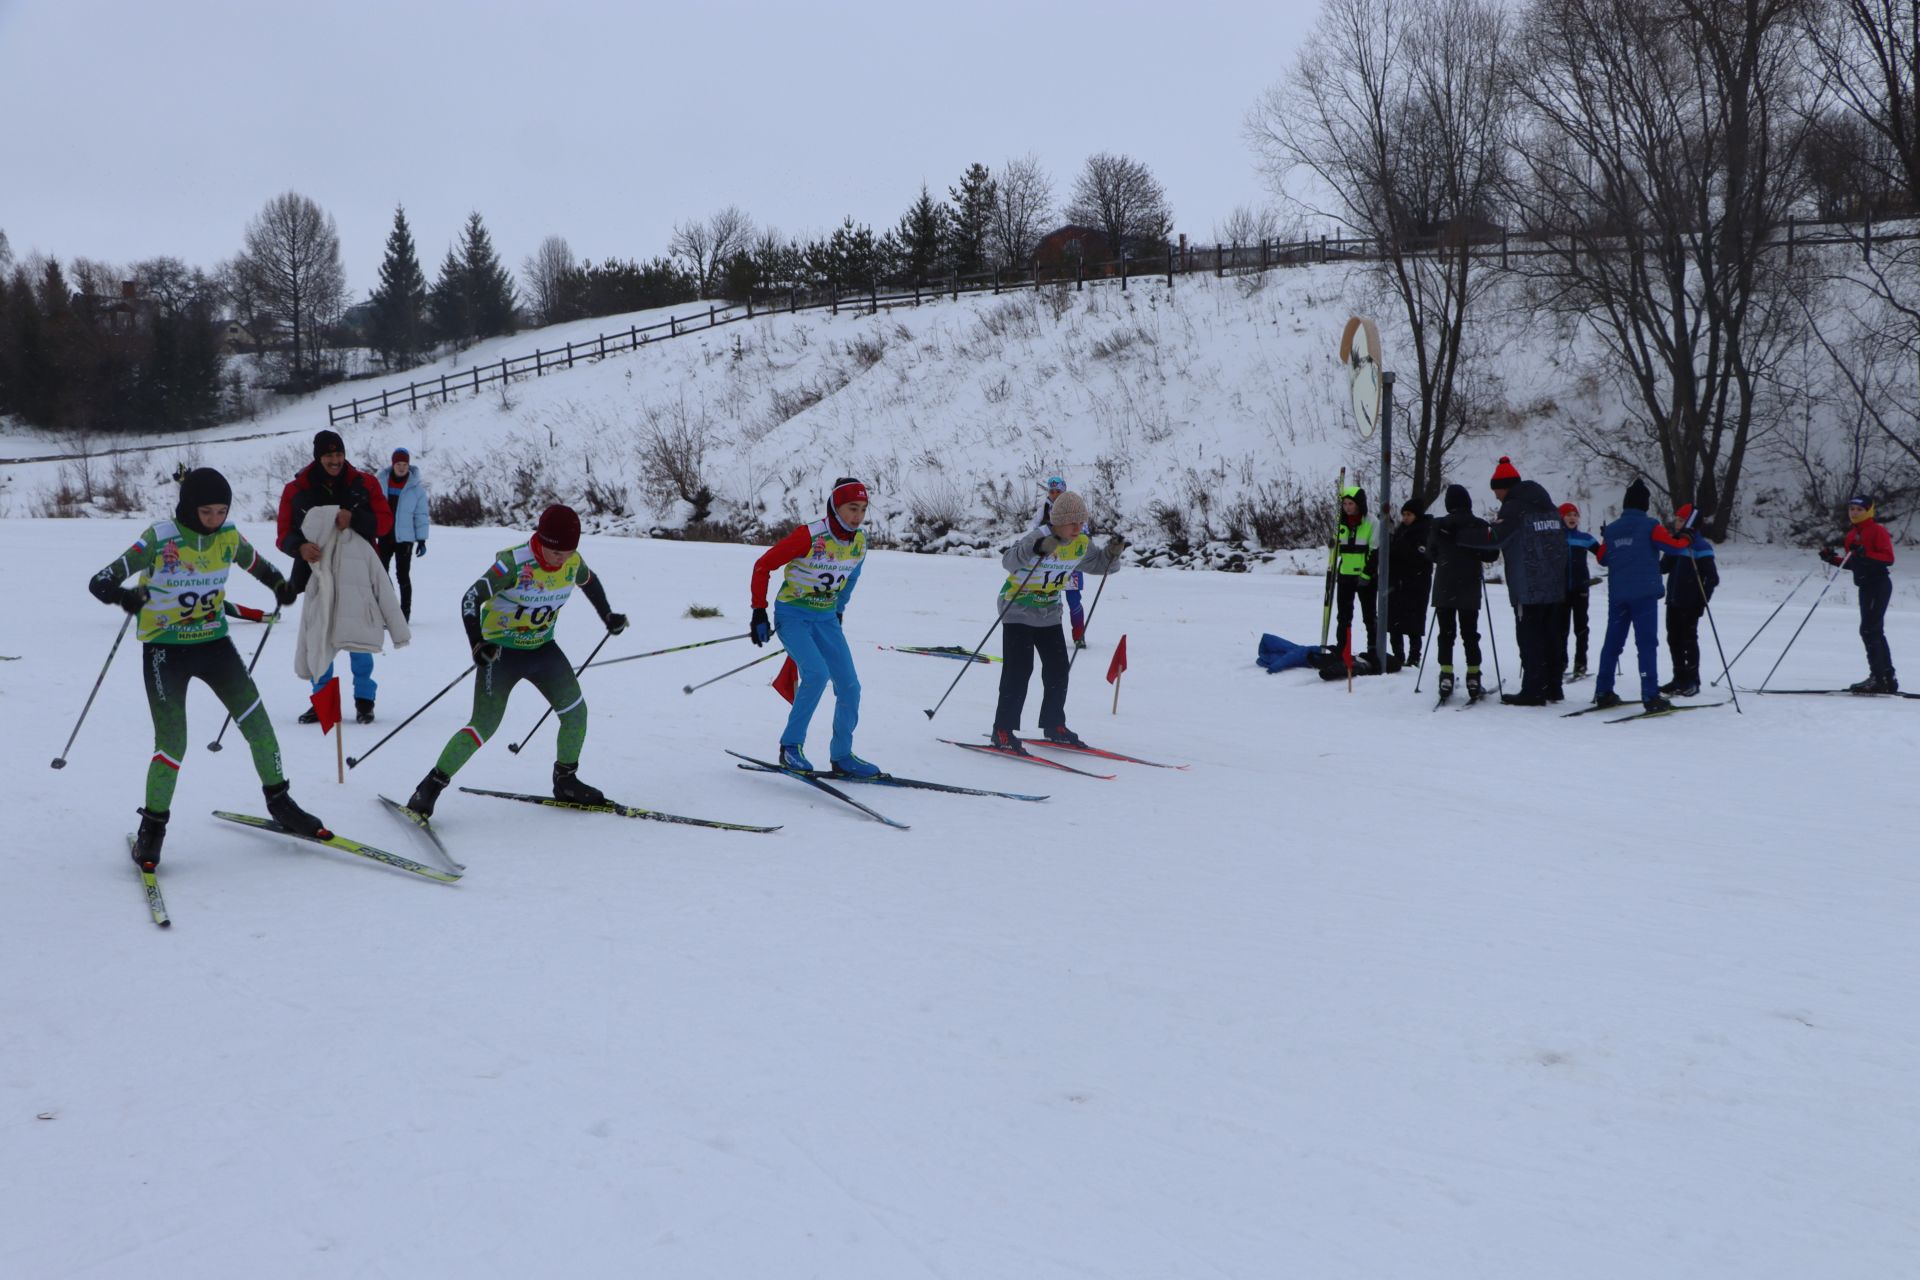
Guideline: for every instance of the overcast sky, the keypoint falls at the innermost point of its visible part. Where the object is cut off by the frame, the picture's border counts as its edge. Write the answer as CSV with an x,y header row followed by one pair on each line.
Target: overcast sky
x,y
138,128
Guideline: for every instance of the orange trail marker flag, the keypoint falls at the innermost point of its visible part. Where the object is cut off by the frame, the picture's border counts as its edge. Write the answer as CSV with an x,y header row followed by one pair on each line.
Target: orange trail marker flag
x,y
788,680
1115,670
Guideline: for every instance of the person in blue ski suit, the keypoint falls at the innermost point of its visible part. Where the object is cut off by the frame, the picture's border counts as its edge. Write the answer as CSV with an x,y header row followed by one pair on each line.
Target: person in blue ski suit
x,y
1630,547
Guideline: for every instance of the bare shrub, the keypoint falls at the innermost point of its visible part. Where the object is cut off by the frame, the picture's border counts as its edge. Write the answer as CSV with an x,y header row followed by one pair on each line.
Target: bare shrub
x,y
120,493
703,611
791,402
867,351
68,502
673,460
1172,521
462,506
1120,340
1278,514
936,512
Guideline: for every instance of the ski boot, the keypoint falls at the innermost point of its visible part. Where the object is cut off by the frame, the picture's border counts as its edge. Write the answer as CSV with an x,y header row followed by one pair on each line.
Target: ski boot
x,y
1890,682
363,710
1673,686
1654,705
1688,688
282,809
1475,690
793,757
1009,741
1523,700
427,794
567,786
1079,640
153,833
1606,701
309,716
1446,685
1870,685
1580,671
852,766
1062,736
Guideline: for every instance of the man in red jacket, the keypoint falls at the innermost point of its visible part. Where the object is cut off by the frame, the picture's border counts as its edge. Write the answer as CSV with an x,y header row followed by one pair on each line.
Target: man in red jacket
x,y
331,481
1868,551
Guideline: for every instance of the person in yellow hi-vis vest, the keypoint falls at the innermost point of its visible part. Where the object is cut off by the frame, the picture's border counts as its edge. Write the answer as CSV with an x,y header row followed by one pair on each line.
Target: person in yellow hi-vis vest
x,y
1357,559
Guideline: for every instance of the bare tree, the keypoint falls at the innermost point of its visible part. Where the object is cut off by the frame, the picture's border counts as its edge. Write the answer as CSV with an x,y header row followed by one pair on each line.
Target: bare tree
x,y
1121,197
1022,208
1398,110
1247,225
546,274
706,246
1870,51
6,254
291,259
1664,142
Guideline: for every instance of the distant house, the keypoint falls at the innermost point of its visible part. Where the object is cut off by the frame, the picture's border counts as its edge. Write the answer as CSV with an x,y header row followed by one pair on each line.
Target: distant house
x,y
233,337
124,316
1066,245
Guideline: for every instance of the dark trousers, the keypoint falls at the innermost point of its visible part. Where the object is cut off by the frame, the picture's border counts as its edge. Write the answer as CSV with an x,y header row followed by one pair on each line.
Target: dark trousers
x,y
1875,594
1574,619
1018,644
1683,641
1466,624
1365,591
401,554
1534,626
1643,617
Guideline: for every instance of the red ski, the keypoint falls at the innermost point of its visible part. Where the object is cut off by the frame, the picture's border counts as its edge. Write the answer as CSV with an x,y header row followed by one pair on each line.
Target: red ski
x,y
988,748
1097,751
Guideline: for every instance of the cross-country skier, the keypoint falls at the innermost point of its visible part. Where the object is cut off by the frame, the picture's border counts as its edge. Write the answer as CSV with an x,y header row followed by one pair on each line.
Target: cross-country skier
x,y
1039,565
1631,548
1457,586
510,613
1411,579
1057,485
821,566
183,565
1689,587
1579,582
1868,551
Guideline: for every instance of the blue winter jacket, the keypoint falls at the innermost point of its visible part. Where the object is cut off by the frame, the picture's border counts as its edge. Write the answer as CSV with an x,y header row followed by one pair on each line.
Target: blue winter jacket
x,y
409,503
1632,558
1579,542
1690,590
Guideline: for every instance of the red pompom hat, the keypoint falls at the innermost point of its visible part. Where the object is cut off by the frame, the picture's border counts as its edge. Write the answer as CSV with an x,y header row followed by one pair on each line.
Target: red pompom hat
x,y
1506,475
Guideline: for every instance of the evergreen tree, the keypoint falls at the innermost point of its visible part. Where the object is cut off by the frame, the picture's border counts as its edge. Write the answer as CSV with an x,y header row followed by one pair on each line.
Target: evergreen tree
x,y
399,327
971,221
923,238
452,310
490,289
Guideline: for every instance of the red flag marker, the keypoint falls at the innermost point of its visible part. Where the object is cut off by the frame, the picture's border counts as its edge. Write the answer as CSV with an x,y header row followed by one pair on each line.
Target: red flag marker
x,y
1115,670
326,705
788,680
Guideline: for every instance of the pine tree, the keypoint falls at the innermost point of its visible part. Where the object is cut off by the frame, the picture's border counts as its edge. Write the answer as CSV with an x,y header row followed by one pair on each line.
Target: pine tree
x,y
449,303
972,218
923,239
399,326
490,289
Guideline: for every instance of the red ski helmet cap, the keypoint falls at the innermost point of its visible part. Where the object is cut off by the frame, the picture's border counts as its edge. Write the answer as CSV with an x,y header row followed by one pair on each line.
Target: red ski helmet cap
x,y
849,491
1506,475
559,528
1568,509
1684,514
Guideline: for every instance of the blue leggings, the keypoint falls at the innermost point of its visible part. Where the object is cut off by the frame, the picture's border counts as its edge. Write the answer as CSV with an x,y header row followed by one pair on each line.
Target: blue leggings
x,y
1644,617
819,648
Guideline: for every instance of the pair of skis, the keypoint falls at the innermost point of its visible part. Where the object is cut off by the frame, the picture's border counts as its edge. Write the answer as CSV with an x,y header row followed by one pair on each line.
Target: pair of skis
x,y
1839,693
818,781
1674,709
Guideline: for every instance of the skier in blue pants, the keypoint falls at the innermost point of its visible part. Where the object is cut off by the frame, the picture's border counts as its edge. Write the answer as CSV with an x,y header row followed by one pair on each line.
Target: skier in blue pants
x,y
1631,547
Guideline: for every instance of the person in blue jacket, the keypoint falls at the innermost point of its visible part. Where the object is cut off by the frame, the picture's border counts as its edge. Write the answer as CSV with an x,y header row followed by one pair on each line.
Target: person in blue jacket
x,y
1579,582
1631,547
406,491
1689,588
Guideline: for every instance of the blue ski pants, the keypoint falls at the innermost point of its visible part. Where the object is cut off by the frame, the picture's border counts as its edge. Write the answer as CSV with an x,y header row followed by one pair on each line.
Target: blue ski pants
x,y
1644,617
364,686
819,648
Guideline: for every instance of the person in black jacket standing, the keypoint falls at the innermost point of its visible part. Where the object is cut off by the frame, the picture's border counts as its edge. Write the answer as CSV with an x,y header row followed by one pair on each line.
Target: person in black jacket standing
x,y
1457,586
1410,578
1691,575
1532,540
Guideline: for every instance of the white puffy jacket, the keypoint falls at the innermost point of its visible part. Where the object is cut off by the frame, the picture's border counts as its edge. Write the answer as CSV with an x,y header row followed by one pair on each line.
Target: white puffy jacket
x,y
350,603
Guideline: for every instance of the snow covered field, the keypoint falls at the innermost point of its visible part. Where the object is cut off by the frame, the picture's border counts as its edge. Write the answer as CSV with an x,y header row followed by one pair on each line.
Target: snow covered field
x,y
1369,992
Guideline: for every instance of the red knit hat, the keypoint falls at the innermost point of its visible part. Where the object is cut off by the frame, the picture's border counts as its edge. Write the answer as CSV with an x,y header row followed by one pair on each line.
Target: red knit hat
x,y
849,491
1568,509
1684,514
559,528
1506,475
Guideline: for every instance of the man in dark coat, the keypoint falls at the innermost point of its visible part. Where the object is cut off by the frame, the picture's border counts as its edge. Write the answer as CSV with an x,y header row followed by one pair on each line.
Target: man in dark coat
x,y
1410,577
1457,586
1532,541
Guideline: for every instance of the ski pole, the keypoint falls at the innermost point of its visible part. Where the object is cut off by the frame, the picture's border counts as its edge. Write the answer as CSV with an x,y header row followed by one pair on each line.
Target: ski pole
x,y
1499,681
270,620
736,671
1333,552
995,627
60,761
631,657
1420,672
1803,622
1763,626
1091,610
514,747
355,760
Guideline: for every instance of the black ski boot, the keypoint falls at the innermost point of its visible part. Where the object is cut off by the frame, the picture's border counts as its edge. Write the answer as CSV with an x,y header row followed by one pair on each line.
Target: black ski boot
x,y
1008,740
1653,705
1606,701
567,786
1475,690
363,710
152,834
282,809
428,792
1446,685
1064,736
309,716
1870,685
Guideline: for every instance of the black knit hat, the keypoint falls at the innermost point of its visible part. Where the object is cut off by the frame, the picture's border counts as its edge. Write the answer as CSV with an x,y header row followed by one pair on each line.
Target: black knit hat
x,y
1458,499
201,487
326,442
1637,499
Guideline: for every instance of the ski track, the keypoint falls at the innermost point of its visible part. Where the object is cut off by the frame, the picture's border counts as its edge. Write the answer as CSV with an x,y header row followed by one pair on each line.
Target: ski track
x,y
1558,1001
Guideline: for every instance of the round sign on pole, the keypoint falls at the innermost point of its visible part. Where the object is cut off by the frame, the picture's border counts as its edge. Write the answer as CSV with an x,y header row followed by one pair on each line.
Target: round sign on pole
x,y
1360,352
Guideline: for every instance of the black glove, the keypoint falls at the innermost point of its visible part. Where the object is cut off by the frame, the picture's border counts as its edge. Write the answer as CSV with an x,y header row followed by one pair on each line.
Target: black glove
x,y
485,653
616,623
1045,544
286,593
1830,555
420,548
760,631
1115,545
133,599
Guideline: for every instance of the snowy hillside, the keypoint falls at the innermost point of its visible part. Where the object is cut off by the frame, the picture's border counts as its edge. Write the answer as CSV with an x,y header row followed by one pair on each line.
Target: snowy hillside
x,y
1369,991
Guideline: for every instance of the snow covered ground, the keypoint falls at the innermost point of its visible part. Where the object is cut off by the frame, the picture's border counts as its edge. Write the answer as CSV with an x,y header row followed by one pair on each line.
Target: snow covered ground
x,y
1370,991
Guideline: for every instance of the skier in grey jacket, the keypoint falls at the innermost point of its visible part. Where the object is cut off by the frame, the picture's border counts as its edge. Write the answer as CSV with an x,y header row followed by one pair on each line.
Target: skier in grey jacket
x,y
1040,566
1532,541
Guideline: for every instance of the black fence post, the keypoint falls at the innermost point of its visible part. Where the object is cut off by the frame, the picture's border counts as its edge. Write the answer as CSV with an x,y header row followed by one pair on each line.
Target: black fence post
x,y
1125,266
672,329
413,395
569,355
443,388
1079,275
1867,243
383,403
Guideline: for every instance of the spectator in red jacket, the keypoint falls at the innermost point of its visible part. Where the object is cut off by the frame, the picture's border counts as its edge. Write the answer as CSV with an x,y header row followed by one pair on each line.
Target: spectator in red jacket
x,y
1868,551
331,481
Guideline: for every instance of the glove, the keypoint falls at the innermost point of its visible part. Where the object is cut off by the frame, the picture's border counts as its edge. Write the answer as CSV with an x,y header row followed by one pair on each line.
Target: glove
x,y
1115,545
1829,555
485,653
760,631
420,548
286,593
616,623
1045,544
133,599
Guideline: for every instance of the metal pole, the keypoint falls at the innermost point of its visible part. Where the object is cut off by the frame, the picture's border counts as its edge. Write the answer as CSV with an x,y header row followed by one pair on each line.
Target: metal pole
x,y
60,761
1386,505
1804,621
1763,626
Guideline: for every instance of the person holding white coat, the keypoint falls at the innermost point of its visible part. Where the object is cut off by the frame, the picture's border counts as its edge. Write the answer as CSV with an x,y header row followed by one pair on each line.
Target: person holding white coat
x,y
350,604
